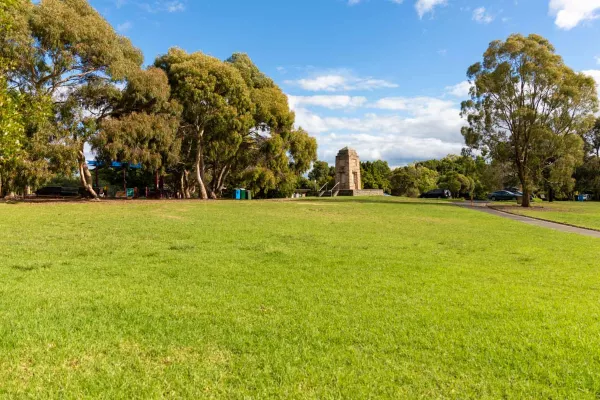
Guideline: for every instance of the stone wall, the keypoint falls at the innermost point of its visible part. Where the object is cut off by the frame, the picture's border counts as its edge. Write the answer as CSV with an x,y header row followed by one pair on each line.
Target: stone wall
x,y
362,192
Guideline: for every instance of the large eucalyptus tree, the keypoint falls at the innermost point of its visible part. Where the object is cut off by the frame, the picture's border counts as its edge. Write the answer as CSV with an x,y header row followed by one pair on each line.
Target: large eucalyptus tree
x,y
529,108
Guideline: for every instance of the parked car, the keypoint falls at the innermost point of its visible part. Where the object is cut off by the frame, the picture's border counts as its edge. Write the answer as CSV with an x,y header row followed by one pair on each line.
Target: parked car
x,y
57,191
437,194
502,195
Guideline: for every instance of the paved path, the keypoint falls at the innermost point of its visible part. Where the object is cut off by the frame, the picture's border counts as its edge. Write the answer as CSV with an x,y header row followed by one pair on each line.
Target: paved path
x,y
532,221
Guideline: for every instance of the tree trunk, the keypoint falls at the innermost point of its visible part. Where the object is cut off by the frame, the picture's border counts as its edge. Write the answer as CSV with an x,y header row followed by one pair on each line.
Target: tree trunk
x,y
524,182
85,176
222,178
215,187
526,196
186,175
200,169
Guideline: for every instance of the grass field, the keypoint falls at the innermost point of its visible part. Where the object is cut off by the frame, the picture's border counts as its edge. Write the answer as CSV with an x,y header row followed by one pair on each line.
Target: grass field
x,y
303,299
583,214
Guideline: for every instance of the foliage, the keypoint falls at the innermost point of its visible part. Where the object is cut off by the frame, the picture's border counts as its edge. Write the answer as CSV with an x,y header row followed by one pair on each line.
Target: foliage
x,y
592,140
69,80
70,56
413,180
376,175
321,173
529,108
276,154
143,128
457,184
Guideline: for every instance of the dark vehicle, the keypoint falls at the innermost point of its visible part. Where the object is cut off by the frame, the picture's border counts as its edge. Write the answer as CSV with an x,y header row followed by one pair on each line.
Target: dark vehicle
x,y
502,195
57,191
518,192
437,194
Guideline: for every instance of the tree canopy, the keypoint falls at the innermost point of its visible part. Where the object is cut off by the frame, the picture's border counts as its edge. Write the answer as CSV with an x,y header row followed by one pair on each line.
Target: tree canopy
x,y
70,81
527,107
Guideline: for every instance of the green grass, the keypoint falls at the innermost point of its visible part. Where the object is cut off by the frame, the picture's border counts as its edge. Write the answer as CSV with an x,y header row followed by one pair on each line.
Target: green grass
x,y
370,298
583,214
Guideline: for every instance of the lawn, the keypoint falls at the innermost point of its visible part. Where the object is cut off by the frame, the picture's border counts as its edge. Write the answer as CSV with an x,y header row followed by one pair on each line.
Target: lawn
x,y
328,298
582,214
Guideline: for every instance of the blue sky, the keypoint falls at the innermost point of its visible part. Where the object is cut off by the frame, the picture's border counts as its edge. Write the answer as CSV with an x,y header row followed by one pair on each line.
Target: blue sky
x,y
383,76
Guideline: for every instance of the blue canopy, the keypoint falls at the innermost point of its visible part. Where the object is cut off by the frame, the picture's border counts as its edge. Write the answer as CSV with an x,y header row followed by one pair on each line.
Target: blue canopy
x,y
114,164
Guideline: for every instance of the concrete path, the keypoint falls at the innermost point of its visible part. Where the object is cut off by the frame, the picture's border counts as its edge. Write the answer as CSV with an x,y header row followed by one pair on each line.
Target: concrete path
x,y
532,221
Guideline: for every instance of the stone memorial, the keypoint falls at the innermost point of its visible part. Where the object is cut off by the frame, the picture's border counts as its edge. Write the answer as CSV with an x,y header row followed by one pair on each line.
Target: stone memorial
x,y
347,175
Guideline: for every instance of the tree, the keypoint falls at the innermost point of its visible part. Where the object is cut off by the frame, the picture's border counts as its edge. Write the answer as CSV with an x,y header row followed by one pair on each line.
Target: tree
x,y
587,176
12,131
592,139
457,184
375,175
216,107
413,180
143,125
320,173
65,51
527,106
274,154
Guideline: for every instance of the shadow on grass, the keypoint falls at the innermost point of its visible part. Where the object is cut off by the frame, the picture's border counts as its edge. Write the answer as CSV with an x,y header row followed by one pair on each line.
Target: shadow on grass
x,y
32,267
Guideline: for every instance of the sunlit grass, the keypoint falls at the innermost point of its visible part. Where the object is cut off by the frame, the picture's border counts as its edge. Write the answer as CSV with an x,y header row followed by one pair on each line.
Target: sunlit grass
x,y
326,298
583,214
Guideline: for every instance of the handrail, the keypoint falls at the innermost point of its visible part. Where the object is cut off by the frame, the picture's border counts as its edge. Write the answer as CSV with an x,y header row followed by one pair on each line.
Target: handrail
x,y
325,185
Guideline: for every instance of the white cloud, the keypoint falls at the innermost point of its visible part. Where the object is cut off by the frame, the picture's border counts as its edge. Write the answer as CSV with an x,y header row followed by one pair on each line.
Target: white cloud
x,y
174,6
481,16
397,129
594,73
124,27
340,81
436,120
170,6
331,102
570,13
426,6
597,60
459,90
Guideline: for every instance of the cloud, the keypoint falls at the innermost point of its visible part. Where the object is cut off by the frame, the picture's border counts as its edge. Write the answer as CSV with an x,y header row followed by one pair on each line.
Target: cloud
x,y
426,6
481,16
597,58
459,90
124,27
170,6
331,102
338,82
594,73
398,129
570,13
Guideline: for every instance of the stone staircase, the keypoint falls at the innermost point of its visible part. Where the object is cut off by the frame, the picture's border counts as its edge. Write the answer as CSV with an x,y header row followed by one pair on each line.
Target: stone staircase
x,y
334,192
